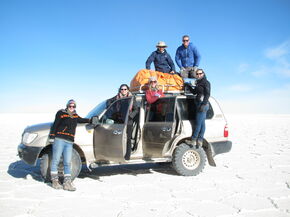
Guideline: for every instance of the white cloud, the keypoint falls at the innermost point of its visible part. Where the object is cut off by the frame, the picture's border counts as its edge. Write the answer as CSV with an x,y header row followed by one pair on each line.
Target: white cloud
x,y
243,67
271,101
240,87
281,57
278,51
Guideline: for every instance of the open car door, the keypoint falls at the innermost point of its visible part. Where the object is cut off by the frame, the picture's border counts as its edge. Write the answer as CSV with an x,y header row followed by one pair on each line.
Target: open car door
x,y
159,126
110,135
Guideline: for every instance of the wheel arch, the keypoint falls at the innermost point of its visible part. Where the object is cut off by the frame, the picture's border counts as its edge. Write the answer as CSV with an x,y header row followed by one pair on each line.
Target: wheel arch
x,y
75,146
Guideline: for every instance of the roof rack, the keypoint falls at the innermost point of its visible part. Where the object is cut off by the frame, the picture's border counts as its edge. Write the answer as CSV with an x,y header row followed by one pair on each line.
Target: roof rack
x,y
142,89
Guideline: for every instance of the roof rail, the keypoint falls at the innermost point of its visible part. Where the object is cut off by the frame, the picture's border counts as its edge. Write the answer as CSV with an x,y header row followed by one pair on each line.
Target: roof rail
x,y
142,88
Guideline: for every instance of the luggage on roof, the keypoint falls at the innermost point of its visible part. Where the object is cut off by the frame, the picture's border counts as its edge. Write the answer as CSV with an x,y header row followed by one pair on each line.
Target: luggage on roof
x,y
169,82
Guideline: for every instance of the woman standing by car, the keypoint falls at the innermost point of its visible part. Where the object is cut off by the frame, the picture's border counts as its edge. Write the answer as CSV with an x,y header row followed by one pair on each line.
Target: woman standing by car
x,y
202,91
63,132
124,92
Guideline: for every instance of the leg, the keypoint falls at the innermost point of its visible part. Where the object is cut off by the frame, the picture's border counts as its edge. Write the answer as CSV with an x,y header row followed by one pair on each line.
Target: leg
x,y
67,155
129,137
57,149
198,123
202,118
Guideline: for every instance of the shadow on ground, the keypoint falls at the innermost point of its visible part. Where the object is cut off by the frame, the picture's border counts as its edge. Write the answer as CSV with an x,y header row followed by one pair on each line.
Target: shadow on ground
x,y
131,169
19,169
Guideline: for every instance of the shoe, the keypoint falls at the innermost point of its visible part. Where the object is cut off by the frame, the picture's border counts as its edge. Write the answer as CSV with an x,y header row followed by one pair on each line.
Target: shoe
x,y
191,142
55,184
199,143
67,185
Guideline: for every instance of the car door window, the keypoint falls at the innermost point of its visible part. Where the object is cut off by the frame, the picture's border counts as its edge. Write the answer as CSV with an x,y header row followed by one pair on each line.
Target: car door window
x,y
162,110
117,112
187,109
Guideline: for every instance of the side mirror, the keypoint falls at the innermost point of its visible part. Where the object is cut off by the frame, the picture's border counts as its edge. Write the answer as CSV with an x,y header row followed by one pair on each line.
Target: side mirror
x,y
95,120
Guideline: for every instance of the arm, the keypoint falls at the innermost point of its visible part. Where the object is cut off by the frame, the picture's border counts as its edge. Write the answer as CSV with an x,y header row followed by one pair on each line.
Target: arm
x,y
206,93
191,89
171,63
134,110
82,120
55,125
178,58
196,56
150,60
150,96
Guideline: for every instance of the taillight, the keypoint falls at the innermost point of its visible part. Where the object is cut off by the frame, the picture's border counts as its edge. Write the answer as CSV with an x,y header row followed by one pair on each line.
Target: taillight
x,y
226,131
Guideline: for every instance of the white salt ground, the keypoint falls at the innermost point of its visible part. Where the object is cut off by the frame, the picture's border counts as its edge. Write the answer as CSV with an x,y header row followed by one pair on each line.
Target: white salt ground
x,y
253,180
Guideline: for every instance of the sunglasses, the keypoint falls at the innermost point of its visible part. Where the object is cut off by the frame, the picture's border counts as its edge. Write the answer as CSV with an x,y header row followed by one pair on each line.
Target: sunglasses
x,y
199,73
153,81
124,89
72,106
185,40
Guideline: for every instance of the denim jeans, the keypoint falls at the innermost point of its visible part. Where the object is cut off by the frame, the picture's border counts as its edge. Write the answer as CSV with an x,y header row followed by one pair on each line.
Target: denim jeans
x,y
200,123
60,148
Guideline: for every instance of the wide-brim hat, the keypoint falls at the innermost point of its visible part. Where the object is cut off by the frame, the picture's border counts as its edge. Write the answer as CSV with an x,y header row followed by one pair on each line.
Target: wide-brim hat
x,y
161,44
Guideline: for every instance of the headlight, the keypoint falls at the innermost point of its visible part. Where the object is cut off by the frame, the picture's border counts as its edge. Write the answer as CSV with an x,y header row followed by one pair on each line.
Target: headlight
x,y
28,137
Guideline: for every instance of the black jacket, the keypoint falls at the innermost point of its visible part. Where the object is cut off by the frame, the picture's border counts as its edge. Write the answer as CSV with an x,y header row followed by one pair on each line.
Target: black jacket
x,y
202,90
64,126
162,61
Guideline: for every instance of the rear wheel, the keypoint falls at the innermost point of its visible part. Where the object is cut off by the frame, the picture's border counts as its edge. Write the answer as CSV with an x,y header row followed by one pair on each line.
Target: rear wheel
x,y
76,165
188,161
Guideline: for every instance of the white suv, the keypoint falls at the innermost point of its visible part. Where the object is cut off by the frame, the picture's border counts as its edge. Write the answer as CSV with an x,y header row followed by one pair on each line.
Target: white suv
x,y
159,135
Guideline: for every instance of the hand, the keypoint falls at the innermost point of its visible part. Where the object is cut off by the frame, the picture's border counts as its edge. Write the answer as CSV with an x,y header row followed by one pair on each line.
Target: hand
x,y
172,72
202,108
51,140
182,69
195,68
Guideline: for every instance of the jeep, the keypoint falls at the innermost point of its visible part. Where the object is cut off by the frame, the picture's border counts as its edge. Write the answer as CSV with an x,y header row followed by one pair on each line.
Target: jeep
x,y
159,135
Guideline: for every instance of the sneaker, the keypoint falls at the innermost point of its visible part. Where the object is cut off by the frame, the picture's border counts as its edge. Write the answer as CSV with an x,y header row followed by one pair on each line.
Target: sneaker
x,y
55,184
68,186
191,142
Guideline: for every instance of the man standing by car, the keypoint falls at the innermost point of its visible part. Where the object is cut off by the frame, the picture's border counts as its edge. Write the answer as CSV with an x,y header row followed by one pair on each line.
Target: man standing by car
x,y
187,58
162,60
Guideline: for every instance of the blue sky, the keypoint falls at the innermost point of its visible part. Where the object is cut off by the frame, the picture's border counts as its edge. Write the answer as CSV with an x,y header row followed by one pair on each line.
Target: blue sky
x,y
51,51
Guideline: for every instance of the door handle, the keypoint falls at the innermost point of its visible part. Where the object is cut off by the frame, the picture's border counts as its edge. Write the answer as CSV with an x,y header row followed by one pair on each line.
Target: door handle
x,y
117,132
164,129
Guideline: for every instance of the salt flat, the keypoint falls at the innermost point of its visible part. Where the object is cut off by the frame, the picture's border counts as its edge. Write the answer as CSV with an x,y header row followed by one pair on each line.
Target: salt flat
x,y
253,180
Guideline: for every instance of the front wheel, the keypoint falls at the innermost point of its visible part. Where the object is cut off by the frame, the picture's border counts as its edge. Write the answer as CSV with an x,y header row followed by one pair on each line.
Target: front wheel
x,y
76,166
188,161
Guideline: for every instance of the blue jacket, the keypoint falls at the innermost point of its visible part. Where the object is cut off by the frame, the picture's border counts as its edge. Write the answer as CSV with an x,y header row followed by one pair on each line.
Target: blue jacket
x,y
187,57
162,61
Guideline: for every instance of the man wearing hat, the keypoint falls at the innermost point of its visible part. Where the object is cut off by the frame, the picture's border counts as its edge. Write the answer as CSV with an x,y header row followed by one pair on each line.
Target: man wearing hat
x,y
162,60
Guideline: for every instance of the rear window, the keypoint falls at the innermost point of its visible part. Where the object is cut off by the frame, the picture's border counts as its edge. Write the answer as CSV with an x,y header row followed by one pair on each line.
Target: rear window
x,y
187,109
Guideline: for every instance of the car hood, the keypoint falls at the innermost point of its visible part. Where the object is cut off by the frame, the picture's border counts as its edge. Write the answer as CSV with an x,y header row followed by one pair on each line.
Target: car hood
x,y
38,127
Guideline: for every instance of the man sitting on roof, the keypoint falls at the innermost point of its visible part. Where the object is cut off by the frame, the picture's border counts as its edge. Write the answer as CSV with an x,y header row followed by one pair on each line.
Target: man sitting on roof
x,y
162,60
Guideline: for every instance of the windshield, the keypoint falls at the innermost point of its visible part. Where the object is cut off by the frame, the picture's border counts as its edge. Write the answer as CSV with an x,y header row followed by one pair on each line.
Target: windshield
x,y
97,110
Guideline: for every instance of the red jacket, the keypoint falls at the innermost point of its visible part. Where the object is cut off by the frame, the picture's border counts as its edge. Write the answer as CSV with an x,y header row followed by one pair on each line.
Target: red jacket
x,y
152,96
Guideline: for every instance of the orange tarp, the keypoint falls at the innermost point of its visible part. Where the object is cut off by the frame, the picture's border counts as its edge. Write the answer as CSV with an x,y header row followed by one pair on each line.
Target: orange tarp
x,y
170,82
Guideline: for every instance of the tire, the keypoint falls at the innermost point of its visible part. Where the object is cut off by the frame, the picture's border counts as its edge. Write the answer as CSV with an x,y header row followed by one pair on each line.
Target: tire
x,y
76,166
188,161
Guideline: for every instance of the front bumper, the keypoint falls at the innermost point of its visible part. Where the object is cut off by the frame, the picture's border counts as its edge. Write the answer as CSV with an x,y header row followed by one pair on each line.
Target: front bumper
x,y
221,147
29,154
